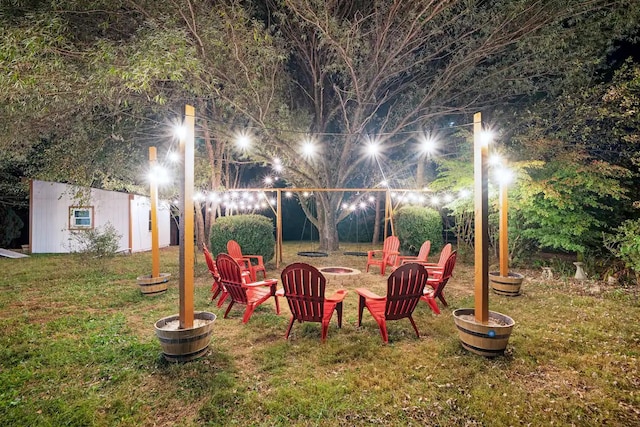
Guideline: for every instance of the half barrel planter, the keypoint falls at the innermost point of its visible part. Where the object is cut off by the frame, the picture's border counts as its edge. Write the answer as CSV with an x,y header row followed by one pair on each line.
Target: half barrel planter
x,y
150,286
184,345
490,339
506,285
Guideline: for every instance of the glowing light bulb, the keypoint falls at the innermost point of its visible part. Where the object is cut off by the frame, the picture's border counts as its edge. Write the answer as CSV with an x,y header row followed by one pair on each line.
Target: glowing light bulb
x,y
173,156
428,145
243,142
180,132
309,149
373,148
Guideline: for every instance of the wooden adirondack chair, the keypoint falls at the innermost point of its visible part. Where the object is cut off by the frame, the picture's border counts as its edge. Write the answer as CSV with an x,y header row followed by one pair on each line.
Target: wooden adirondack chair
x,y
233,249
436,269
250,294
388,255
405,287
304,288
436,285
422,254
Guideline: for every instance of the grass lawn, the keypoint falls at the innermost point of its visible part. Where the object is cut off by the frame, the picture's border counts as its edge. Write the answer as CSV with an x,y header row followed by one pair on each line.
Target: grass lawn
x,y
77,348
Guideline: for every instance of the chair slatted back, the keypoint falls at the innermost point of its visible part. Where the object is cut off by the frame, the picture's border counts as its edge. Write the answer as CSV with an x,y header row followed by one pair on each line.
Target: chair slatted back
x,y
304,288
391,244
231,278
444,254
424,251
233,249
446,274
211,264
405,286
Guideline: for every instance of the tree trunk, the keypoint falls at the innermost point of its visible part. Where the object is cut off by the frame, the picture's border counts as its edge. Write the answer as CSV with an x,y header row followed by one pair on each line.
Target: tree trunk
x,y
200,237
327,223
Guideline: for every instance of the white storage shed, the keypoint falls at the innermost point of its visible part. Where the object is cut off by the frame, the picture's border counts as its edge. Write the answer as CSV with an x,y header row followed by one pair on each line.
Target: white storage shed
x,y
55,211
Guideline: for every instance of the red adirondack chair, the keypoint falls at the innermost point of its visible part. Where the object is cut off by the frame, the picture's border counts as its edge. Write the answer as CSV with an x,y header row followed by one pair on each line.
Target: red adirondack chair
x,y
233,249
250,294
405,287
422,254
216,287
304,288
437,284
386,256
436,269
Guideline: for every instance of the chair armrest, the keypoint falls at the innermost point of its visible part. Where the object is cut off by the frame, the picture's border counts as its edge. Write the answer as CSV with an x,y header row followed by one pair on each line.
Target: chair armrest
x,y
258,257
244,262
428,264
390,254
267,282
280,292
366,293
338,296
371,253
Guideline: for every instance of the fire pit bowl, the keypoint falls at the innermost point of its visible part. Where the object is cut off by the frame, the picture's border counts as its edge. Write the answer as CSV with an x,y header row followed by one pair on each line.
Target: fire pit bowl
x,y
339,271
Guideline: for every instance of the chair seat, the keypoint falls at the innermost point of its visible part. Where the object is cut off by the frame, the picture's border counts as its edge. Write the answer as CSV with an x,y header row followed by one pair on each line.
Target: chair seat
x,y
376,307
258,294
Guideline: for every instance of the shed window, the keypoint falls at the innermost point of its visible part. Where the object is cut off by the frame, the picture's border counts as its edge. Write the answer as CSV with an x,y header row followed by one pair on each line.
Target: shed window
x,y
81,217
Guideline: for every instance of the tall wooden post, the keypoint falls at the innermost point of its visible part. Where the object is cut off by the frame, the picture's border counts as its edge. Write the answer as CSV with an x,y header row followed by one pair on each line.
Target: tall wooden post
x,y
504,231
153,190
278,227
481,200
186,219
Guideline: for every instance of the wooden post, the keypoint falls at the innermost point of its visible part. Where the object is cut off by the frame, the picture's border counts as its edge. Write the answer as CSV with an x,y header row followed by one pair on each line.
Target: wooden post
x,y
481,200
186,219
153,190
388,214
278,227
504,231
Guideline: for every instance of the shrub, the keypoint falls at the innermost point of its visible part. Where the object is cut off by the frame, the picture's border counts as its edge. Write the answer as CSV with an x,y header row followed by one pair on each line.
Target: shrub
x,y
254,233
416,224
624,244
97,242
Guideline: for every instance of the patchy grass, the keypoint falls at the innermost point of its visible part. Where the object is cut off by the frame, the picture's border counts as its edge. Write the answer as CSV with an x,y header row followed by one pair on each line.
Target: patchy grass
x,y
77,348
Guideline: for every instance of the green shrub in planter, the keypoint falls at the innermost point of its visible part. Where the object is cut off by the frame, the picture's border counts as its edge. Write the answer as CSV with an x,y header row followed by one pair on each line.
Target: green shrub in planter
x,y
415,224
254,233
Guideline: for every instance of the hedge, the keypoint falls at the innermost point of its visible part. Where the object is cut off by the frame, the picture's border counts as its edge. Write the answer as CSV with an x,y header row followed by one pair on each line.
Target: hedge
x,y
415,224
254,233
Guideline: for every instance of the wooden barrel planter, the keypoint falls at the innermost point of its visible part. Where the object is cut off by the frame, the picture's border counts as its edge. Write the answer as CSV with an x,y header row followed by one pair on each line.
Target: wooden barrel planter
x,y
150,286
487,340
183,345
506,285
